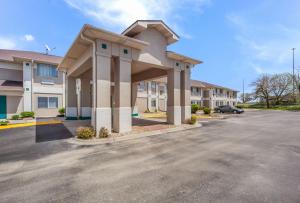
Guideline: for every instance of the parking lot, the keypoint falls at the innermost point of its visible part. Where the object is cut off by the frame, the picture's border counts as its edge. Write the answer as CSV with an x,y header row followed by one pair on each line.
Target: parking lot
x,y
252,157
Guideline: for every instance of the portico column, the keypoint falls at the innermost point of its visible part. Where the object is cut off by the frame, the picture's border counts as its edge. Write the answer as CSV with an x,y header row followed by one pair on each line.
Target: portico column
x,y
185,91
134,90
103,92
71,98
122,111
174,109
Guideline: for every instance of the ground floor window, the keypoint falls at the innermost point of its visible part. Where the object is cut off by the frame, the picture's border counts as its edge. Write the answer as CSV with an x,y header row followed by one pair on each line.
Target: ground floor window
x,y
196,102
47,102
153,103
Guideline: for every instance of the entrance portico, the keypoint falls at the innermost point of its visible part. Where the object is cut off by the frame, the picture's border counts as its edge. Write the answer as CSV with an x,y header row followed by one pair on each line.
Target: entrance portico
x,y
103,69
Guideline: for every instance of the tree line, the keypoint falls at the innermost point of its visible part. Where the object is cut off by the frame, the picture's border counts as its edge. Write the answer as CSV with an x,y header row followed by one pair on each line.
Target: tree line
x,y
273,89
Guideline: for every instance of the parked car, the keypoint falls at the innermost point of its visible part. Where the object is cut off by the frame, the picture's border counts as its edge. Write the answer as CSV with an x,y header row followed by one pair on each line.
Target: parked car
x,y
228,109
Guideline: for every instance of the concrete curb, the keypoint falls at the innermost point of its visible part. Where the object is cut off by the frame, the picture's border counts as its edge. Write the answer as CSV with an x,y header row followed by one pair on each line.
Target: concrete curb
x,y
28,124
132,136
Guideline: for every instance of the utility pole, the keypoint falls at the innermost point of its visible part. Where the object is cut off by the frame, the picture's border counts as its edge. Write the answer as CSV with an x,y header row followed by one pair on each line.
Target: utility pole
x,y
293,49
243,91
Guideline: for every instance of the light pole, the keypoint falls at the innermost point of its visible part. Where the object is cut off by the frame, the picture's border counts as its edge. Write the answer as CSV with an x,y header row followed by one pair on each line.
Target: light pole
x,y
243,91
293,49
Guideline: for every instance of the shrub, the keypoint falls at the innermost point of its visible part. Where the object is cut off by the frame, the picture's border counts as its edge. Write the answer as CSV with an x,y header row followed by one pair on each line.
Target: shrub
x,y
27,114
147,111
61,111
195,108
206,110
192,120
15,117
85,133
5,122
103,133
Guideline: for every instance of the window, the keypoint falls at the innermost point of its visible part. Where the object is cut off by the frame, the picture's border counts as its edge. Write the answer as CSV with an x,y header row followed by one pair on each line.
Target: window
x,y
47,102
142,86
196,91
196,102
42,102
161,90
153,103
46,70
153,87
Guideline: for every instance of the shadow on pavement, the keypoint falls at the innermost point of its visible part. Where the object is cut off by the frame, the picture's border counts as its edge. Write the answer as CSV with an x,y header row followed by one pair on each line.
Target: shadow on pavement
x,y
52,132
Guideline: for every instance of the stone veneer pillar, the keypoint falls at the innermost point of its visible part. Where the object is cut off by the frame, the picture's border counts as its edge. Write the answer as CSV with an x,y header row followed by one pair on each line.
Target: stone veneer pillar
x,y
173,108
122,94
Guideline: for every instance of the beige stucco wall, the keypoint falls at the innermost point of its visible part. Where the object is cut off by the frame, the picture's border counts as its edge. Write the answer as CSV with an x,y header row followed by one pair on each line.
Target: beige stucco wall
x,y
141,104
162,105
86,94
46,112
14,105
155,52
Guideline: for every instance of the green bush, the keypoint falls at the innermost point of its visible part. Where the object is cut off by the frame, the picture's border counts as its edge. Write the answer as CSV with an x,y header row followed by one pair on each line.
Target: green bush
x,y
61,111
27,114
5,122
15,117
85,133
192,120
103,133
195,108
206,110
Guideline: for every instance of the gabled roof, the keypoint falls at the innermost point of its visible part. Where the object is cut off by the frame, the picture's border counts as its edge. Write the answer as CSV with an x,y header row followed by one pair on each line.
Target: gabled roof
x,y
93,33
141,25
15,55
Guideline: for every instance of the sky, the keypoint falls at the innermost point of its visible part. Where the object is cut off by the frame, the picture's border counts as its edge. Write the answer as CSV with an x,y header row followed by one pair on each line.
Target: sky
x,y
236,39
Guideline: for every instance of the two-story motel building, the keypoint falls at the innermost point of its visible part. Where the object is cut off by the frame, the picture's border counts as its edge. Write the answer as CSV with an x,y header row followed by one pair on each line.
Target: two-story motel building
x,y
107,77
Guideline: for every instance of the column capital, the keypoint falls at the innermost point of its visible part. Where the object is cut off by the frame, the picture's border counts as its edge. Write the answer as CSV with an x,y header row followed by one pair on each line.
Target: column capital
x,y
125,59
98,53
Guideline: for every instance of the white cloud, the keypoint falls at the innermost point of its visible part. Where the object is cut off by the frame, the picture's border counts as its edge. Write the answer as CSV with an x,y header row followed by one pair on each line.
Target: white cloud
x,y
267,46
122,13
28,37
7,43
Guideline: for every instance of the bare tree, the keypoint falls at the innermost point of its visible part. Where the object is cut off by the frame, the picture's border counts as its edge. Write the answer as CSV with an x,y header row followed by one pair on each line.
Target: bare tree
x,y
262,88
281,86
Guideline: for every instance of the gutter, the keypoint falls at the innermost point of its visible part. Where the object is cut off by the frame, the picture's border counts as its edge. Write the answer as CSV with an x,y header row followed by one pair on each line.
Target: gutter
x,y
94,75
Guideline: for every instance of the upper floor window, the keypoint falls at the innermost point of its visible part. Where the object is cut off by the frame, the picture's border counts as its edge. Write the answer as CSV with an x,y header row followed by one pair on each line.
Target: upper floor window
x,y
153,87
161,90
46,70
142,86
196,91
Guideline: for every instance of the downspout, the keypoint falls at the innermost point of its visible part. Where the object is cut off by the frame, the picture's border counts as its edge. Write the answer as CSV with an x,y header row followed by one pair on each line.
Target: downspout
x,y
94,75
31,81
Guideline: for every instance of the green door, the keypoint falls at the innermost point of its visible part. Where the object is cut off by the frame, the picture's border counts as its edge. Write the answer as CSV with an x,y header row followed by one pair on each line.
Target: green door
x,y
2,107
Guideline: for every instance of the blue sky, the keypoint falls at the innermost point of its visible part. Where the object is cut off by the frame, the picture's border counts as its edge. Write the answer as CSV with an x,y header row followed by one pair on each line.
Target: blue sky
x,y
236,39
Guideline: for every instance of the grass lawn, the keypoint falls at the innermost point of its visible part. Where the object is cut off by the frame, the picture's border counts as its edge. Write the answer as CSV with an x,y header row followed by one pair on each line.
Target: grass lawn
x,y
292,107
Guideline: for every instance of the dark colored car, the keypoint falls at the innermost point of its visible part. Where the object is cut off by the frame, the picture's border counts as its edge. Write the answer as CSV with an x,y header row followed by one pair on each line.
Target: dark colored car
x,y
228,109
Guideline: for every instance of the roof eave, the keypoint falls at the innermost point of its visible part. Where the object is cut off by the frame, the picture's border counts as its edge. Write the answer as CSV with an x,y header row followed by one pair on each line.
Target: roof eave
x,y
183,58
97,33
